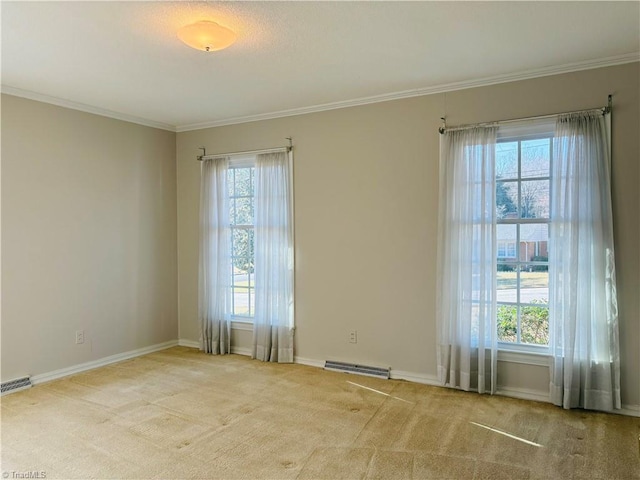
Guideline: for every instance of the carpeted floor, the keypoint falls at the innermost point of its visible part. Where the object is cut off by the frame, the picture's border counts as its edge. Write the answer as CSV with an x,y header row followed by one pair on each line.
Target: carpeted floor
x,y
181,414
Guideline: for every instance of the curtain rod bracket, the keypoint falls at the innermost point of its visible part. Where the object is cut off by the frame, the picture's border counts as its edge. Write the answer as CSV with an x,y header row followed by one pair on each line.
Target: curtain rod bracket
x,y
443,128
204,153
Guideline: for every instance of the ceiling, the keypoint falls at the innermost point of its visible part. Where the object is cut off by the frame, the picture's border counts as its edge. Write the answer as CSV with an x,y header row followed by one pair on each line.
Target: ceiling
x,y
123,59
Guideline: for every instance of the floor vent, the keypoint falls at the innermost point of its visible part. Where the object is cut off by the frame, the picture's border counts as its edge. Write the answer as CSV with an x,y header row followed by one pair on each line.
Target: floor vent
x,y
358,369
15,385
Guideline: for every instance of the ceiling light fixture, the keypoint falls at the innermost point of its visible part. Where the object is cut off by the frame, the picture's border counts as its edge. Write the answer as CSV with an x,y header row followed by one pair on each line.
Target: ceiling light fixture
x,y
206,36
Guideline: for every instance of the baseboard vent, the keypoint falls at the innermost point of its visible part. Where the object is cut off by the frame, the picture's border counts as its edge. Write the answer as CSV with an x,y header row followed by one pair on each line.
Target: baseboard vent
x,y
15,385
358,369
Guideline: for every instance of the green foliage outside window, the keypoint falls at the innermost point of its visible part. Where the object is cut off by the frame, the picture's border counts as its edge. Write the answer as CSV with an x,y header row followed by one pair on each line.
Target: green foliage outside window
x,y
534,323
241,189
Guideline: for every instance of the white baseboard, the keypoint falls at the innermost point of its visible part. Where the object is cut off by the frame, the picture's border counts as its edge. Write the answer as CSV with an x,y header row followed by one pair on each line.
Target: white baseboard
x,y
540,396
241,351
630,410
101,362
188,343
192,344
415,377
309,362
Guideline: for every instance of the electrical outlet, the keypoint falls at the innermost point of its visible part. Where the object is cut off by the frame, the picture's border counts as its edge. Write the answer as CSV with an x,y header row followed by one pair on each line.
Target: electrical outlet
x,y
353,336
79,336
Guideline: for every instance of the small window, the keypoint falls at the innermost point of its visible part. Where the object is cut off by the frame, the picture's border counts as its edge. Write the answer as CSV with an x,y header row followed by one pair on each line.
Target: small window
x,y
506,249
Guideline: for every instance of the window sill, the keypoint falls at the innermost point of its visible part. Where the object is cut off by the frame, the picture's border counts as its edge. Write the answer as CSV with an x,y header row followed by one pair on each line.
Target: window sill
x,y
241,324
527,358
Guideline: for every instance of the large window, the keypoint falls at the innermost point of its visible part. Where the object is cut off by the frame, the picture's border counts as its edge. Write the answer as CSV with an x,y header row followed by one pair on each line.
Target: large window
x,y
241,183
246,251
522,206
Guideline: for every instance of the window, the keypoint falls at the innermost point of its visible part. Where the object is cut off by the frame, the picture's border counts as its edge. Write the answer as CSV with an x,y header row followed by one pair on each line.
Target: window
x,y
246,251
506,249
241,183
523,166
545,190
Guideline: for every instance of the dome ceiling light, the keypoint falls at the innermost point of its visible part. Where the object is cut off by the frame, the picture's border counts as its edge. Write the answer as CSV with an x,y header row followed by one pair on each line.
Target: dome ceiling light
x,y
206,36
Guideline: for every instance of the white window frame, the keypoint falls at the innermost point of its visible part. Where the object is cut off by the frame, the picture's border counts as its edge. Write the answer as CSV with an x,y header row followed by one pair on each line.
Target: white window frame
x,y
519,132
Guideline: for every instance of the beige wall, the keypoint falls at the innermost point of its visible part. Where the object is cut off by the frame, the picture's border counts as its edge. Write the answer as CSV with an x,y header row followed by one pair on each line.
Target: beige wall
x,y
89,226
88,237
366,203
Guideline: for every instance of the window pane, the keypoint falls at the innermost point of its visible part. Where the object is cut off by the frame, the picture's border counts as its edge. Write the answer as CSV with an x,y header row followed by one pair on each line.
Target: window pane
x,y
240,301
244,211
507,160
230,181
507,281
239,274
507,323
534,241
534,200
241,267
232,211
507,199
535,158
243,182
534,321
241,246
534,284
251,234
506,238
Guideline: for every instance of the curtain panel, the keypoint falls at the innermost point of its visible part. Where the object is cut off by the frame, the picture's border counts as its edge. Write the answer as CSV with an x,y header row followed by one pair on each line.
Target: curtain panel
x,y
584,342
466,303
214,294
273,325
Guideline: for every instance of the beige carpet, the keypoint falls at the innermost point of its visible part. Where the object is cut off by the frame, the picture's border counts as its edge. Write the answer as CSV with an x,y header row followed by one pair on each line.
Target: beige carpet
x,y
182,414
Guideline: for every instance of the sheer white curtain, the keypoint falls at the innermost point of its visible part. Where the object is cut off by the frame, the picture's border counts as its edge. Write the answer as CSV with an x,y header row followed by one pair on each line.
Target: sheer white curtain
x,y
273,322
584,335
215,270
466,308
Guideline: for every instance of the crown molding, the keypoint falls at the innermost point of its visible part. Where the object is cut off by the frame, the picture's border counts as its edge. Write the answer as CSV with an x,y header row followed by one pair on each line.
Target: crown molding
x,y
443,88
61,102
418,92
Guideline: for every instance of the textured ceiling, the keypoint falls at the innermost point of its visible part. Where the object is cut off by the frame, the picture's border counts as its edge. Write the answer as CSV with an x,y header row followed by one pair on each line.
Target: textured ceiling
x,y
124,57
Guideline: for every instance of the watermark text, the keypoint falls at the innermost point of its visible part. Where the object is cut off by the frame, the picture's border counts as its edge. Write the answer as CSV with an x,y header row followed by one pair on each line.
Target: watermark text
x,y
24,474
